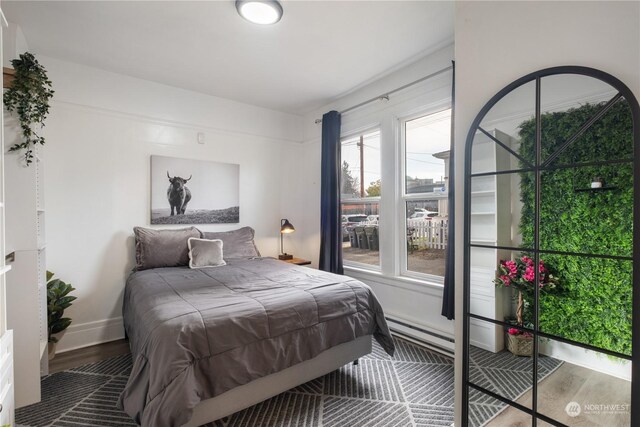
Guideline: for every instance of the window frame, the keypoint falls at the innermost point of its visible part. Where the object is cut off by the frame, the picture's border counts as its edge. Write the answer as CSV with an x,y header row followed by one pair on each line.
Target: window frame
x,y
426,97
377,127
404,197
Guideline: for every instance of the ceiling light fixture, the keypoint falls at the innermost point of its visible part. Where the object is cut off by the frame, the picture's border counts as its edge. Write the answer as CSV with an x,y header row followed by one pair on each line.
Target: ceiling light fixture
x,y
263,12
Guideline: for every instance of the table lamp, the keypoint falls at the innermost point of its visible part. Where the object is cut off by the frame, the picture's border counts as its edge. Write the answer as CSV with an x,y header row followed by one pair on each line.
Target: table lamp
x,y
285,228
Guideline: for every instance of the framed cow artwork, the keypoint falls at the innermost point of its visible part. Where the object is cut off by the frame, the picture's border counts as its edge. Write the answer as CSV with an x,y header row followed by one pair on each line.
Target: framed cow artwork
x,y
185,191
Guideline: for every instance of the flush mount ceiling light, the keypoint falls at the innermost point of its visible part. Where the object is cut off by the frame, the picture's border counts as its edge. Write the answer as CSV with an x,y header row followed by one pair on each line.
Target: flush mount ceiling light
x,y
263,12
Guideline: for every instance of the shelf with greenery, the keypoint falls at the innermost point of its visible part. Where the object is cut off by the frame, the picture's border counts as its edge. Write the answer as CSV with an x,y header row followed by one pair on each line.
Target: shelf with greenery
x,y
28,97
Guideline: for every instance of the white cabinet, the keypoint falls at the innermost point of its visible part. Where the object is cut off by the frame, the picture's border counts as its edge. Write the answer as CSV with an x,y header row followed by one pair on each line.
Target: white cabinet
x,y
26,282
491,213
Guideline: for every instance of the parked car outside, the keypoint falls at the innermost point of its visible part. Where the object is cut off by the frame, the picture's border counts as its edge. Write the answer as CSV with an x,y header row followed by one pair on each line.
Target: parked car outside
x,y
349,221
423,215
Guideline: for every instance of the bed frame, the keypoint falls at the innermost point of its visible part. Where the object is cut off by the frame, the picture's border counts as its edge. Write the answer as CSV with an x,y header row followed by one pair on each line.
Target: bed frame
x,y
263,388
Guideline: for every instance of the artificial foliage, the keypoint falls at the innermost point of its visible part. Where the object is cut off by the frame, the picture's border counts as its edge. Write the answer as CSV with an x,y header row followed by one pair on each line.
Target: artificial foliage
x,y
519,275
28,96
594,302
58,300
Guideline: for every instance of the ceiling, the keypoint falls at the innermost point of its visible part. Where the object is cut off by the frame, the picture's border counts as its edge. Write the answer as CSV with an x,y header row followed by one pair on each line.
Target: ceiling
x,y
319,51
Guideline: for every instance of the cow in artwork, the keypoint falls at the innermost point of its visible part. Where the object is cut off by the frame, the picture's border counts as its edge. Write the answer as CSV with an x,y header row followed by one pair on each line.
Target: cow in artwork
x,y
178,194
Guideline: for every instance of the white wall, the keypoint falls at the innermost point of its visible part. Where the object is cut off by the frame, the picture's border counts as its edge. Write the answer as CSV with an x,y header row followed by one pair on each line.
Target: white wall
x,y
497,42
404,299
13,43
101,132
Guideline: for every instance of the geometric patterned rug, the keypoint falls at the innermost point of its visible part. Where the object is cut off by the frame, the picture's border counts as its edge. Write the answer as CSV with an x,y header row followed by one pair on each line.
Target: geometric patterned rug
x,y
414,388
81,396
504,374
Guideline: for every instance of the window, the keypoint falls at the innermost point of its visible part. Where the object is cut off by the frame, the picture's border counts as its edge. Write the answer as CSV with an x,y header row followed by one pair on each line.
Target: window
x,y
394,185
425,190
360,198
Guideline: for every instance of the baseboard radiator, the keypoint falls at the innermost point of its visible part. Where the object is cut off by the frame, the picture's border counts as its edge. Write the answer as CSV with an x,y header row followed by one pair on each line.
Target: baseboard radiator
x,y
421,336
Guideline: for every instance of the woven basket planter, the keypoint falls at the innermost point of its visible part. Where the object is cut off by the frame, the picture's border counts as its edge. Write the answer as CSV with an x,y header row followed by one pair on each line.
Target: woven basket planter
x,y
520,345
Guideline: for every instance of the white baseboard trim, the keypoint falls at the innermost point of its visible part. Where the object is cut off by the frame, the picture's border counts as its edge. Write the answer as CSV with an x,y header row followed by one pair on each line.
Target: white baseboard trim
x,y
91,333
438,338
588,359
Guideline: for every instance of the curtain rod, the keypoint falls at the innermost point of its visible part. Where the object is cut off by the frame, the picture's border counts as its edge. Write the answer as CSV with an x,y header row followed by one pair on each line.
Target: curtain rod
x,y
385,96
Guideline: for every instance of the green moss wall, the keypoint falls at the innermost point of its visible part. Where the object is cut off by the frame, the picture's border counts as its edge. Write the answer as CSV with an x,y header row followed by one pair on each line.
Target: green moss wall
x,y
593,304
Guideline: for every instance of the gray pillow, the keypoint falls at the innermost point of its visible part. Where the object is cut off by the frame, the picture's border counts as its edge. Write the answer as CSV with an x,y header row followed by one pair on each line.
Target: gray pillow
x,y
205,253
237,243
162,248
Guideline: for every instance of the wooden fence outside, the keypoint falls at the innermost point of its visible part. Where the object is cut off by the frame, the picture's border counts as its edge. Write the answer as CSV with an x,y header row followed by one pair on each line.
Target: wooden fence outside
x,y
431,234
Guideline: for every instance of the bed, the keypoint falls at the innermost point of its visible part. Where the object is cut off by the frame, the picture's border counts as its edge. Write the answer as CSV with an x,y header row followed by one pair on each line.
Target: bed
x,y
209,342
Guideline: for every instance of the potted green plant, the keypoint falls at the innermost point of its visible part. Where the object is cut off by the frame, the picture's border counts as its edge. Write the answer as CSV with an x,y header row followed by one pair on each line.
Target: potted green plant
x,y
28,96
58,300
519,274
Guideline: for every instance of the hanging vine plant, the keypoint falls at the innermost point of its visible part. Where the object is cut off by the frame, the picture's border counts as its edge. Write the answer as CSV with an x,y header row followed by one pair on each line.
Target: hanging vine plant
x,y
28,97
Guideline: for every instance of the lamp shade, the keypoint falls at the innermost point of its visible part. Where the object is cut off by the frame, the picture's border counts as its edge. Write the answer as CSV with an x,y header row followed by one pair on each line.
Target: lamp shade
x,y
286,227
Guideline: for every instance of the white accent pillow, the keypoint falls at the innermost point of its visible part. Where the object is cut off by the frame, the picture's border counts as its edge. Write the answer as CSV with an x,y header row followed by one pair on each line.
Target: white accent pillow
x,y
205,253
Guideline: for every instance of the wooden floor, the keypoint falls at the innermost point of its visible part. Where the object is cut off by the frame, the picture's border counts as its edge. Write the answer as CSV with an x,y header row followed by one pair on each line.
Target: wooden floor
x,y
572,383
95,353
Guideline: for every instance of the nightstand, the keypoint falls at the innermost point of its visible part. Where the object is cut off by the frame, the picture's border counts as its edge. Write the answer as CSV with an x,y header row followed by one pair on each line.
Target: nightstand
x,y
297,261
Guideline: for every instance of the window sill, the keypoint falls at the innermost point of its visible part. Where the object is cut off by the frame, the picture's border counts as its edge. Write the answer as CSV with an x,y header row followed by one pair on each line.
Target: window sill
x,y
409,283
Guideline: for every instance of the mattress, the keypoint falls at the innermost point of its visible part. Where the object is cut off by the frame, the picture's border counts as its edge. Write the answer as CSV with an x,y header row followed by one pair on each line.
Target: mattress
x,y
195,334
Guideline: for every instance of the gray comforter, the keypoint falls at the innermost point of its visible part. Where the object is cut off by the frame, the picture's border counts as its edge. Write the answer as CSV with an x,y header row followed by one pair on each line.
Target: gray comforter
x,y
195,334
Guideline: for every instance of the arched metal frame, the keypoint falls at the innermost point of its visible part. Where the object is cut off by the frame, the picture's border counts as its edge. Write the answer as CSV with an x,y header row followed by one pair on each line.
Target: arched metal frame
x,y
625,92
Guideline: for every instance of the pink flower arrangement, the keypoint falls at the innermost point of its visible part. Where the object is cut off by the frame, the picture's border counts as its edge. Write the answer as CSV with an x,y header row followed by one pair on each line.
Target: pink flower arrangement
x,y
529,275
512,267
520,274
516,331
